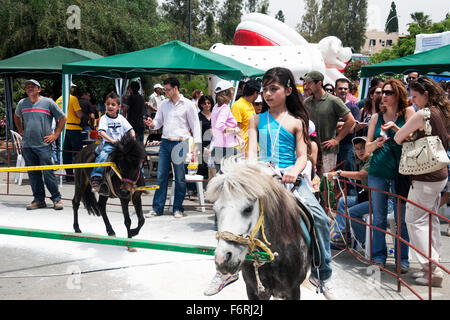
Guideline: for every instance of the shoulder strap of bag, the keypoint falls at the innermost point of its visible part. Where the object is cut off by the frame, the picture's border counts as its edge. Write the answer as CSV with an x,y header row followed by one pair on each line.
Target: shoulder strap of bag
x,y
426,119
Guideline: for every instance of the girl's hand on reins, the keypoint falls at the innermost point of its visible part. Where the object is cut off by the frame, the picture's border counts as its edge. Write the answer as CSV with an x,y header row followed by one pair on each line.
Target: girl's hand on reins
x,y
289,177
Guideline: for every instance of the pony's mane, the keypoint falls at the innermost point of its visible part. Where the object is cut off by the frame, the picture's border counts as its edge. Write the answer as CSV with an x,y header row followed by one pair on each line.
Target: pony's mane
x,y
128,148
247,177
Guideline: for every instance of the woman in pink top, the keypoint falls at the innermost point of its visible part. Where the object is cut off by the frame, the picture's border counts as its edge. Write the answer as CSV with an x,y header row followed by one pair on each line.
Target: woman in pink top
x,y
223,124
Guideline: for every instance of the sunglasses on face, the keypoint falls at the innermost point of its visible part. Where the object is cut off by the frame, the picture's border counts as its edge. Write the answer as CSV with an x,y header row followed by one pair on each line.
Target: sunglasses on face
x,y
388,92
412,78
377,92
329,90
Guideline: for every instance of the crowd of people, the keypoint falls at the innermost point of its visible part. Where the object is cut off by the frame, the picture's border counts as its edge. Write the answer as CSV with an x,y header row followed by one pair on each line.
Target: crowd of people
x,y
304,134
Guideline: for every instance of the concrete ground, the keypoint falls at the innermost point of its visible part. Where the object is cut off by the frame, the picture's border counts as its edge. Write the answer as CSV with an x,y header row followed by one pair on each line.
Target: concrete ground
x,y
33,268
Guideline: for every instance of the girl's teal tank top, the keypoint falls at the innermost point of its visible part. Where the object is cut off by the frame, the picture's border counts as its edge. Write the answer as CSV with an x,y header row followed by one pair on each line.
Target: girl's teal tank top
x,y
283,155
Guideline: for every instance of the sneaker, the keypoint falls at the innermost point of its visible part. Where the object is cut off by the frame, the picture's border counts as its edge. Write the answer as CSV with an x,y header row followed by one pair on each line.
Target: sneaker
x,y
178,214
219,282
95,183
58,205
36,205
337,242
151,214
324,286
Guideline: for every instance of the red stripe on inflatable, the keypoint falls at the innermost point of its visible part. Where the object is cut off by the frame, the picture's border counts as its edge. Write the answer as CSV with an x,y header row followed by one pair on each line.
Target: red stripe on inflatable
x,y
250,38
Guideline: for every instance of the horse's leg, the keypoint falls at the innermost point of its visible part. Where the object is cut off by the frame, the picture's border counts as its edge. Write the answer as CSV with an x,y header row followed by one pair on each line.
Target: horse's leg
x,y
102,206
137,202
81,183
126,215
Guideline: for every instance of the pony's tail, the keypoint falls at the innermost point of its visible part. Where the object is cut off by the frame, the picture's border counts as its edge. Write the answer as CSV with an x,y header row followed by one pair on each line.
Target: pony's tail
x,y
90,202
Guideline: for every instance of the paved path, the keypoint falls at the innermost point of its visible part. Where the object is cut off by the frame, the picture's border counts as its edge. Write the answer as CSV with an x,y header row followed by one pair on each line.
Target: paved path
x,y
33,268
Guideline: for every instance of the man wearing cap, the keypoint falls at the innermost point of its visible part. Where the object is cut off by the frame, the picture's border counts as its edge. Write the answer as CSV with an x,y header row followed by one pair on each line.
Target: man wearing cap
x,y
33,119
325,111
155,100
178,118
357,205
243,110
73,139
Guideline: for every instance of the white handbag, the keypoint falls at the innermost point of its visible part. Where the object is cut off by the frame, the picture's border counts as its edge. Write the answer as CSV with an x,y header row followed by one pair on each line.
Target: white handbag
x,y
424,155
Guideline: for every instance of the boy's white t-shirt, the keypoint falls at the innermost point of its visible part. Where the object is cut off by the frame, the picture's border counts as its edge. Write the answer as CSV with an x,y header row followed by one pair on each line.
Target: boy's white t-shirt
x,y
116,127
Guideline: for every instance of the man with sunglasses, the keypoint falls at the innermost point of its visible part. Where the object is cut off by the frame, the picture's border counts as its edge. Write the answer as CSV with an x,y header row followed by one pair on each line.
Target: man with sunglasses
x,y
345,146
412,76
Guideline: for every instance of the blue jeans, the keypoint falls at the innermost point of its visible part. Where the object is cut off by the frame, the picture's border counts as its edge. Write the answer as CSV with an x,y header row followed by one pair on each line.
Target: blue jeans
x,y
355,210
171,152
102,157
41,156
380,212
322,229
346,153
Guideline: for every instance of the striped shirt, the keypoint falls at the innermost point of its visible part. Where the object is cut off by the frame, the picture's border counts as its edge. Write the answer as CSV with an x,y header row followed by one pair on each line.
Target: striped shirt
x,y
37,120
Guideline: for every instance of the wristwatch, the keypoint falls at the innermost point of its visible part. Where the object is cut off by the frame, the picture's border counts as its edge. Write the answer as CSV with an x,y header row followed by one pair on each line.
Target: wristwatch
x,y
339,173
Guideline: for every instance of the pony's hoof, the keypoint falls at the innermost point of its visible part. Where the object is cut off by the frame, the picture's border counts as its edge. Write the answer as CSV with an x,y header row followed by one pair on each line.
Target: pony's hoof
x,y
111,234
130,249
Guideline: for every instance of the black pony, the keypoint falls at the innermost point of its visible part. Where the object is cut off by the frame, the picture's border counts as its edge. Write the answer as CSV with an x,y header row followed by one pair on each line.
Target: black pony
x,y
128,155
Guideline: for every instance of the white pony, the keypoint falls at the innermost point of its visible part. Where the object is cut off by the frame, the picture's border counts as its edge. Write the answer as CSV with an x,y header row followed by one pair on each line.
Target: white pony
x,y
250,205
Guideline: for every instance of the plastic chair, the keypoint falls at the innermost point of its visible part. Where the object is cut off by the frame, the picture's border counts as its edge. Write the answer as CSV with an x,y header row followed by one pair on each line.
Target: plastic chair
x,y
198,179
17,140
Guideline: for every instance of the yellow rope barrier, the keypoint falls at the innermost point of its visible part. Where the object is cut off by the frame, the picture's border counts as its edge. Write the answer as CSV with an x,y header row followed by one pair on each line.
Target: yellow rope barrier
x,y
74,166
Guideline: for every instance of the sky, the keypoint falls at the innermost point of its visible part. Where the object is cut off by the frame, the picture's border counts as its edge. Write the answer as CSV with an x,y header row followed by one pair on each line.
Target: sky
x,y
377,11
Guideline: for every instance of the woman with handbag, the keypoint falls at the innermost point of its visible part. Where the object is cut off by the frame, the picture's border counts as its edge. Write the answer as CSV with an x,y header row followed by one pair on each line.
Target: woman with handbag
x,y
426,188
384,166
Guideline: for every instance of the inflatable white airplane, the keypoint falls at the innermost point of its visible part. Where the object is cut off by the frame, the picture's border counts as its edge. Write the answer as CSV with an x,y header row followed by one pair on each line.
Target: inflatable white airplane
x,y
265,42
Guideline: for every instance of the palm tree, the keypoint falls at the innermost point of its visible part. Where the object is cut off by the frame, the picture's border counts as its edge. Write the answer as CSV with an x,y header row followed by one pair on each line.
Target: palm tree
x,y
421,19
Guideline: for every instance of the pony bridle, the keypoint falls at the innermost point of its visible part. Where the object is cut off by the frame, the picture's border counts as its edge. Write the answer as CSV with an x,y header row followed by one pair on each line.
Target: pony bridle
x,y
251,241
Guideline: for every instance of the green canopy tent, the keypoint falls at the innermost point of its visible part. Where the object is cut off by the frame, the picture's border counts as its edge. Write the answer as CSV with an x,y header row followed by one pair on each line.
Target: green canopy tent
x,y
37,64
435,60
172,57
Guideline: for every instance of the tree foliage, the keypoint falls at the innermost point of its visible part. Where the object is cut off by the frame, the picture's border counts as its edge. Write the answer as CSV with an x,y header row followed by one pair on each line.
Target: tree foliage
x,y
345,19
280,15
391,24
229,18
308,27
106,27
405,46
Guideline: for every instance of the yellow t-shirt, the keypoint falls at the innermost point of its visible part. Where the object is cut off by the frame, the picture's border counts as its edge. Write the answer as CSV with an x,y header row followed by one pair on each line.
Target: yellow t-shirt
x,y
73,122
243,111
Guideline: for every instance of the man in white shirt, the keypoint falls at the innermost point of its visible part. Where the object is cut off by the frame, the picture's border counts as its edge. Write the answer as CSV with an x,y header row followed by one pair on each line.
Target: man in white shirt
x,y
155,100
178,117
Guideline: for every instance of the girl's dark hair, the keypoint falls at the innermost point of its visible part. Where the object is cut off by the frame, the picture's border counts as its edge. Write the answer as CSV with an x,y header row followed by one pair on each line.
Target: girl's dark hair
x,y
203,99
436,95
294,102
370,98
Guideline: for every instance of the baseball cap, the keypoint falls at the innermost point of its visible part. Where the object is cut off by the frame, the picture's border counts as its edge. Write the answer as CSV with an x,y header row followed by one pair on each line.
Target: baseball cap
x,y
259,99
222,85
33,82
359,139
156,86
73,84
312,76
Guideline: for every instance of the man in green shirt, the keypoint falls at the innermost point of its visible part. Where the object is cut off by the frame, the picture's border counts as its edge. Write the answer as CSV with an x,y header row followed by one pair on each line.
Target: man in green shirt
x,y
325,111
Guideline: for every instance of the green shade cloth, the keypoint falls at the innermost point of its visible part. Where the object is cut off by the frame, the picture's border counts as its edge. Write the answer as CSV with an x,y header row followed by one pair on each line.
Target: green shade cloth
x,y
435,60
172,57
40,63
